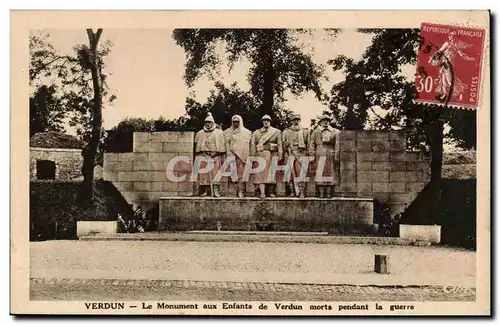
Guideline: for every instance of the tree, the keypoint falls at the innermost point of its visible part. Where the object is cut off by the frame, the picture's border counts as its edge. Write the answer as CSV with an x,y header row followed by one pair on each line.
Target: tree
x,y
278,61
120,137
46,111
376,83
89,57
79,85
223,102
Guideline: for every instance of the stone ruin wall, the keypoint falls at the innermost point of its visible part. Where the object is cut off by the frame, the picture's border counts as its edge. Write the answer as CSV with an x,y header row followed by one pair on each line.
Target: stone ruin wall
x,y
68,162
373,164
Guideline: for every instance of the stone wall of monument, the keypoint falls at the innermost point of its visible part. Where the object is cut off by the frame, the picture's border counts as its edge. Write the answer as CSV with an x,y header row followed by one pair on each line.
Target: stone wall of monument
x,y
336,216
376,164
141,175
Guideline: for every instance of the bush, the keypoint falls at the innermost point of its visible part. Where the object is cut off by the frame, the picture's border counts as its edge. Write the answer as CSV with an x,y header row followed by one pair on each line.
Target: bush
x,y
388,225
459,158
56,140
451,204
464,171
54,204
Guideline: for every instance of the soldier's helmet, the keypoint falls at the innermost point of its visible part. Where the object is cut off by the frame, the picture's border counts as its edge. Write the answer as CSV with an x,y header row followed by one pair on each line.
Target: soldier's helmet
x,y
266,117
209,118
295,116
325,117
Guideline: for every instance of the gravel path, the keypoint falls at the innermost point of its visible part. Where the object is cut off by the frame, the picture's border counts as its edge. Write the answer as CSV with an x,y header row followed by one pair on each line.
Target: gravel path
x,y
122,290
234,261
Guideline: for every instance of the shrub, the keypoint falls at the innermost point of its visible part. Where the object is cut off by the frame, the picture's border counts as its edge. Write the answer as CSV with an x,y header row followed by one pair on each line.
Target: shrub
x,y
56,140
451,204
464,171
459,158
54,204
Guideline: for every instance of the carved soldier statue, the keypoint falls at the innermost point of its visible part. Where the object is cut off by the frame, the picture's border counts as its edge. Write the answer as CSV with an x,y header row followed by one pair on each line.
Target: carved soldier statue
x,y
209,143
237,139
266,143
296,144
324,144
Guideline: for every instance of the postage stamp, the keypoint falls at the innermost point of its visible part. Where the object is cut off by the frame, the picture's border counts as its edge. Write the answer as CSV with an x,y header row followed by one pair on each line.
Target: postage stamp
x,y
449,65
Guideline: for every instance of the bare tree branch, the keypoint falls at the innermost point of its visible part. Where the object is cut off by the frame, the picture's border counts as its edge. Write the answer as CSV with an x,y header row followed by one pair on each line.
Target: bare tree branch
x,y
98,35
90,35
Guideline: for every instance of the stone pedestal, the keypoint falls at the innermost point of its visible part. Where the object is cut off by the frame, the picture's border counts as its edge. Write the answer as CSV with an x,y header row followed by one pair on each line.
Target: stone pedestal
x,y
85,228
337,215
428,233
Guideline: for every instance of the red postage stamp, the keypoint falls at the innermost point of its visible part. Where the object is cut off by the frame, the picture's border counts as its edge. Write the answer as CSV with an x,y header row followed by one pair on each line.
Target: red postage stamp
x,y
449,65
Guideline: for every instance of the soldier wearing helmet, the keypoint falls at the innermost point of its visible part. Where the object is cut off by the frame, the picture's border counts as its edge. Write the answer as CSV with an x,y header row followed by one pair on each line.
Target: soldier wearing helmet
x,y
209,143
266,143
324,145
296,145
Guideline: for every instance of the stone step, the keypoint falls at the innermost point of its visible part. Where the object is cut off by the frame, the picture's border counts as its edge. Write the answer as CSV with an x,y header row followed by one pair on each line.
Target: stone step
x,y
272,237
271,233
343,216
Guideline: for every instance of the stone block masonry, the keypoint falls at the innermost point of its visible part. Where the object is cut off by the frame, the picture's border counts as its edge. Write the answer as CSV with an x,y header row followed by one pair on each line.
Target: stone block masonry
x,y
373,165
141,175
67,163
338,215
376,164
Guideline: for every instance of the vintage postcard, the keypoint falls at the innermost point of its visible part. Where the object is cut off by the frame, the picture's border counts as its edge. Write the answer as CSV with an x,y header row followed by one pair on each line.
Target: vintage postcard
x,y
250,163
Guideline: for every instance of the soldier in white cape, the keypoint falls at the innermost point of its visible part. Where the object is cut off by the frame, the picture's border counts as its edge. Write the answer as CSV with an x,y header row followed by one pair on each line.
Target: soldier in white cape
x,y
237,139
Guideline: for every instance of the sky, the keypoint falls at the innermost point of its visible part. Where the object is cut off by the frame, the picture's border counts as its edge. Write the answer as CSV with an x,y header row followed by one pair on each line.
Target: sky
x,y
146,71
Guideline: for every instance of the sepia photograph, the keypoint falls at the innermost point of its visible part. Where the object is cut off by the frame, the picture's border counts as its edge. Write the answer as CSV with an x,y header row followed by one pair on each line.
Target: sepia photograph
x,y
311,164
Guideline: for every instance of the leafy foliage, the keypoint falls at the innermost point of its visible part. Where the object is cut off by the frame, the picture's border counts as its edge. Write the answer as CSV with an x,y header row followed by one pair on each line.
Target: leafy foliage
x,y
465,171
120,137
62,86
78,90
377,82
46,110
278,62
55,140
459,158
223,102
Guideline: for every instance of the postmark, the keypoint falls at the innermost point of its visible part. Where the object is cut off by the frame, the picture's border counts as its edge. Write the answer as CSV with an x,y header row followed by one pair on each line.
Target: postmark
x,y
449,65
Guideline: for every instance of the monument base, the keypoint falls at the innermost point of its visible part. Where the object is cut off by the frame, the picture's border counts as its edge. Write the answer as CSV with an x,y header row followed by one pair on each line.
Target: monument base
x,y
335,216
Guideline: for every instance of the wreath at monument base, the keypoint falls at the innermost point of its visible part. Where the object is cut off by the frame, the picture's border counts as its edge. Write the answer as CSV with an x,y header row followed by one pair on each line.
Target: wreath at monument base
x,y
264,217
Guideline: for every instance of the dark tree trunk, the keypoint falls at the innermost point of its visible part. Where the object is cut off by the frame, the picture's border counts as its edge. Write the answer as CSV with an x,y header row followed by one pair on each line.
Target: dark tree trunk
x,y
268,92
269,74
89,153
436,141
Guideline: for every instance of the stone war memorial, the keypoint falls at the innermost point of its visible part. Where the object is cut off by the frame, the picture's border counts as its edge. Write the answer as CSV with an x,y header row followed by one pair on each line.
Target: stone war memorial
x,y
371,168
